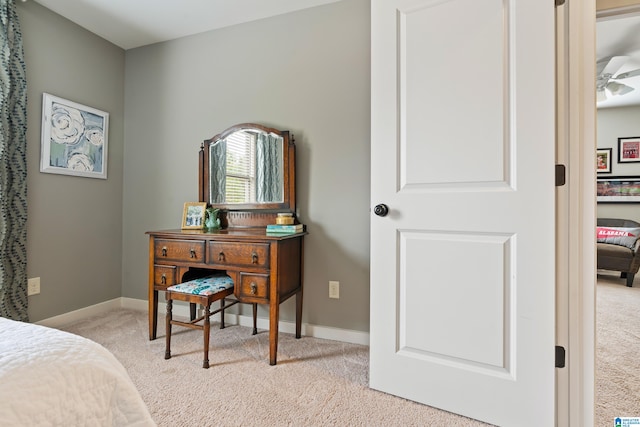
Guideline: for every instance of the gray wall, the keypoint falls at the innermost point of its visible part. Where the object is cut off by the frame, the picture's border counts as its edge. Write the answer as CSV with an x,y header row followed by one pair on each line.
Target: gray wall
x,y
74,239
614,123
307,72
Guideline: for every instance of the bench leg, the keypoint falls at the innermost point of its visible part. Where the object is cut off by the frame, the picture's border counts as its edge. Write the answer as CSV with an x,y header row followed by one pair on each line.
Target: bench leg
x,y
167,351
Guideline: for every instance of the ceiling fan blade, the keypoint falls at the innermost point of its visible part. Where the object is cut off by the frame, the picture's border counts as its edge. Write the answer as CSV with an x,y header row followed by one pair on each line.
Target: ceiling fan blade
x,y
627,74
614,64
601,96
618,88
600,66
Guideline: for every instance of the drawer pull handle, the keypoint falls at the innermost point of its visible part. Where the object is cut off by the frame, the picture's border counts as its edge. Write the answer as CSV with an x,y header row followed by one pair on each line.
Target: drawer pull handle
x,y
164,251
192,252
163,279
221,256
254,258
254,288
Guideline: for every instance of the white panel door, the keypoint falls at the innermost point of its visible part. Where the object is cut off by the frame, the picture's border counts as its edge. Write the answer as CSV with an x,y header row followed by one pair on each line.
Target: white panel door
x,y
462,266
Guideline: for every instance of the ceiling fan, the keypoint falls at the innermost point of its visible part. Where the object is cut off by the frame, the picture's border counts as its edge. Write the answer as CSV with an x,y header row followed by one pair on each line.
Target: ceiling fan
x,y
606,77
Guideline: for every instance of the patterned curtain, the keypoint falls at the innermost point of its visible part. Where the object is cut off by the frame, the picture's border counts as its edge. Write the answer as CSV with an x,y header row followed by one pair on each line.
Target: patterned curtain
x,y
13,167
218,171
269,173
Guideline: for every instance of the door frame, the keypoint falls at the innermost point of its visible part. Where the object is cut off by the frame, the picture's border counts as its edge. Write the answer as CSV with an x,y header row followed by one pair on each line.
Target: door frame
x,y
577,143
576,212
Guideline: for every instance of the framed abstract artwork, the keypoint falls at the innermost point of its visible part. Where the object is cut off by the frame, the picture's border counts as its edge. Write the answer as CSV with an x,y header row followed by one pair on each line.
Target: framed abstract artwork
x,y
74,138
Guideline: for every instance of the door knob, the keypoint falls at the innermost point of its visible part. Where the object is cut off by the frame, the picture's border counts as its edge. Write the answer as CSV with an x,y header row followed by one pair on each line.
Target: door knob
x,y
381,210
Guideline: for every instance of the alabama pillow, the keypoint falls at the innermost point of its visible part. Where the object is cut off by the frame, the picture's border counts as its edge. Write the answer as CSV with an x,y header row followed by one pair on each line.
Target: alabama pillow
x,y
622,236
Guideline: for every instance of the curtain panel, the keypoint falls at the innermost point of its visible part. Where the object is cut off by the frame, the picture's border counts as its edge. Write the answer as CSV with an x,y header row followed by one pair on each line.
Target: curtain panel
x,y
218,171
269,168
13,167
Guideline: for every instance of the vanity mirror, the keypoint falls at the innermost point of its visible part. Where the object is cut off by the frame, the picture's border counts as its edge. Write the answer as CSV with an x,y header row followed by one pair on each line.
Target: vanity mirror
x,y
248,167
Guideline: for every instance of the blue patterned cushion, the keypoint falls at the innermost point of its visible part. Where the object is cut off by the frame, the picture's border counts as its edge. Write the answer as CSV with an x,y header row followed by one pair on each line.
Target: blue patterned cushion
x,y
204,286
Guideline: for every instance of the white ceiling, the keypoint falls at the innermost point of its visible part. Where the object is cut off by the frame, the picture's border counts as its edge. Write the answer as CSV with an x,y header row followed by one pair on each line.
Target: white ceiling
x,y
135,23
620,36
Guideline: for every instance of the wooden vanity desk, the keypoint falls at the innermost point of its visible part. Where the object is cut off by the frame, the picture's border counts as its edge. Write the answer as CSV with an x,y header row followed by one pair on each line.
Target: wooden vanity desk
x,y
265,268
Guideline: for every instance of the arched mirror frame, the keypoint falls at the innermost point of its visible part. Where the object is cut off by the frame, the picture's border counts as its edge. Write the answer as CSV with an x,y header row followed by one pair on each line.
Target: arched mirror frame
x,y
251,214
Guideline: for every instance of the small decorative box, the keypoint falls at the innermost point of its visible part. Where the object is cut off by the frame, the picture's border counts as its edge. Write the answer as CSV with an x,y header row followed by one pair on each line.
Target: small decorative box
x,y
284,218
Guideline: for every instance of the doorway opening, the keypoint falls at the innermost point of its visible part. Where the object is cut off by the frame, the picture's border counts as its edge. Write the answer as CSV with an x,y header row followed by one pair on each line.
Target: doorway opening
x,y
618,118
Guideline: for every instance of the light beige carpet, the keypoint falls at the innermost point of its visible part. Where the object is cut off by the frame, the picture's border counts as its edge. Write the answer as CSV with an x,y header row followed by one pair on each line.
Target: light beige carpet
x,y
325,383
315,383
617,349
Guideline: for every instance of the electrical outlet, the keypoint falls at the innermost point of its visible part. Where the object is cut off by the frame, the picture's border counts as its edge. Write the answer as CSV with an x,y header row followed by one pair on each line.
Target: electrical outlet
x,y
334,289
33,286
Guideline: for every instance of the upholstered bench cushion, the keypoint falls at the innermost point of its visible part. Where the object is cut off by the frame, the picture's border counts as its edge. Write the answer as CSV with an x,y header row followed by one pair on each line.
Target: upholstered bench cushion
x,y
204,286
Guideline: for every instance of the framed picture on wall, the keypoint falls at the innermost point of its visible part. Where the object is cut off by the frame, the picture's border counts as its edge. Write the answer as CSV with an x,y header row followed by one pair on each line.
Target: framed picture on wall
x,y
618,189
74,138
603,164
629,149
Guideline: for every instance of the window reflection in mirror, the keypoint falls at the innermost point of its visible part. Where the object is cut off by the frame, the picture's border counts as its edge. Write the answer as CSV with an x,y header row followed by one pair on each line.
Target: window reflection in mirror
x,y
247,167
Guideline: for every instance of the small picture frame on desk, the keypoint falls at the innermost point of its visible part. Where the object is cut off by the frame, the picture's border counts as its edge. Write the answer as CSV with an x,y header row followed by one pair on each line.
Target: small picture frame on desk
x,y
193,215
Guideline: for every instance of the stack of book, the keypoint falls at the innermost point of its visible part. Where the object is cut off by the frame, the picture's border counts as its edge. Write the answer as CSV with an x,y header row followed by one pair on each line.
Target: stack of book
x,y
280,229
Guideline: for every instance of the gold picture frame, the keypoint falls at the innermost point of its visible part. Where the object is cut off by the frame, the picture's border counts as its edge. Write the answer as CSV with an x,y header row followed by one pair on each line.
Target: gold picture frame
x,y
193,215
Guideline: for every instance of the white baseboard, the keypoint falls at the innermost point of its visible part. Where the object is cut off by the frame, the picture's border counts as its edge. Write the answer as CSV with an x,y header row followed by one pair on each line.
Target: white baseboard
x,y
316,331
80,314
135,304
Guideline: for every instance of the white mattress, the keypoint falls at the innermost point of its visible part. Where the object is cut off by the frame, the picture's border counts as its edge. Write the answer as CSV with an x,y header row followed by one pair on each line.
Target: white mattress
x,y
53,378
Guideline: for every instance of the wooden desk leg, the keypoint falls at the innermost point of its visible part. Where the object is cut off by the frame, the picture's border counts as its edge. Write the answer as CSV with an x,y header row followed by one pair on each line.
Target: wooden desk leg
x,y
274,313
298,314
222,305
299,294
192,310
255,318
167,351
153,314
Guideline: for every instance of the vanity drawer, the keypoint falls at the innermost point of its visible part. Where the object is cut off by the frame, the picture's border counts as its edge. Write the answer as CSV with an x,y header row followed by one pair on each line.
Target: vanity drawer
x,y
254,286
164,275
179,250
240,254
